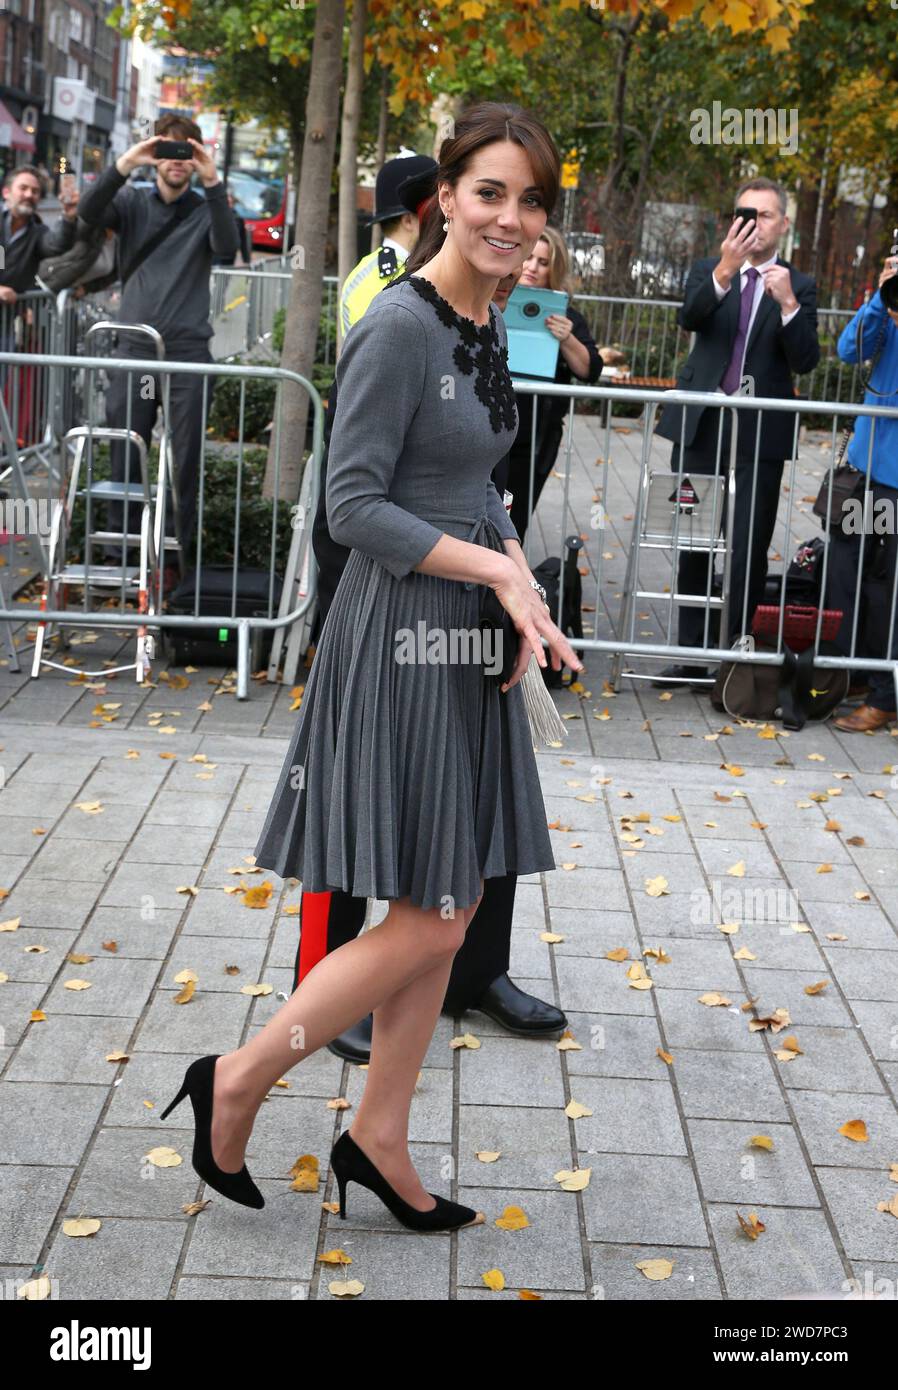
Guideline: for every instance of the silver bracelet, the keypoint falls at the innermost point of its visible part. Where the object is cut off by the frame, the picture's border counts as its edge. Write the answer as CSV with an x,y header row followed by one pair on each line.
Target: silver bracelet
x,y
539,589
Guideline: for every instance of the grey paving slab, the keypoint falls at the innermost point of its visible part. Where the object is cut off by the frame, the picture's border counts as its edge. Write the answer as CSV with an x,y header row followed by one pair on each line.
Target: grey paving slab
x,y
879,1025
821,1116
16,1003
213,912
48,1123
210,1022
632,1198
145,933
29,1199
853,1197
833,1059
532,1146
72,1050
645,1118
688,1023
150,885
614,1045
785,989
90,861
276,1242
118,988
727,1086
511,1071
617,1277
117,821
731,1169
599,986
22,963
227,1289
797,1250
546,1254
181,808
864,974
112,1266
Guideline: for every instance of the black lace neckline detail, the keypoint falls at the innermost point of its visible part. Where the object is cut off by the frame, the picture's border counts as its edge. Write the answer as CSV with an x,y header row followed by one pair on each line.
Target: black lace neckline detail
x,y
480,351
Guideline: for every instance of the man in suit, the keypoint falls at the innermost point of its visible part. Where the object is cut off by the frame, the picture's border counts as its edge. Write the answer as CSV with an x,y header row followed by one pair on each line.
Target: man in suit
x,y
479,978
755,323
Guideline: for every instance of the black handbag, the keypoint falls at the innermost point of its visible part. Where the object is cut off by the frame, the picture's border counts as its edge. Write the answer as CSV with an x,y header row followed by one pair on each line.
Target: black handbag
x,y
845,483
495,618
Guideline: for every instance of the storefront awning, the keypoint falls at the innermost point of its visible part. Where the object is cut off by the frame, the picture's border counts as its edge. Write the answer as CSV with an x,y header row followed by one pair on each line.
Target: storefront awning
x,y
12,136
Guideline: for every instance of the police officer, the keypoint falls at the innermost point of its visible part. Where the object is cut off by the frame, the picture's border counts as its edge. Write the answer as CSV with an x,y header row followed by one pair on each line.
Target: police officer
x,y
479,976
399,216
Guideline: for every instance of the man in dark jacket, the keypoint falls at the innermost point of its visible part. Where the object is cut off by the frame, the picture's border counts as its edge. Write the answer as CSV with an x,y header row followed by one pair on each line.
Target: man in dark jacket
x,y
168,236
24,238
755,323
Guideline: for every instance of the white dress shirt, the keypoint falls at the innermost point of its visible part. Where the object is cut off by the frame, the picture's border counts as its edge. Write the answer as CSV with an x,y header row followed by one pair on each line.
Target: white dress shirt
x,y
759,291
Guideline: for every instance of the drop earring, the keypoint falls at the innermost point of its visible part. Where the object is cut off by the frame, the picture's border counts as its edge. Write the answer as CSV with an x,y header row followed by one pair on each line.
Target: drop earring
x,y
446,225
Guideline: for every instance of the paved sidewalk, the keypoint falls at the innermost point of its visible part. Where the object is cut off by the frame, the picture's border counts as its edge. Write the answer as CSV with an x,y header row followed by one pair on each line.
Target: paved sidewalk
x,y
793,838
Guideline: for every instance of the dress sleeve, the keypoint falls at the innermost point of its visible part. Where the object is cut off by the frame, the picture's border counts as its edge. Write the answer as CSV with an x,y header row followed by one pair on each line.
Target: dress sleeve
x,y
380,378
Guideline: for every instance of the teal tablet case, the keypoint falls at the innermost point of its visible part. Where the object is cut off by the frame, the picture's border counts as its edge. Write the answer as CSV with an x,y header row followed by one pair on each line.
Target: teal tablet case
x,y
532,350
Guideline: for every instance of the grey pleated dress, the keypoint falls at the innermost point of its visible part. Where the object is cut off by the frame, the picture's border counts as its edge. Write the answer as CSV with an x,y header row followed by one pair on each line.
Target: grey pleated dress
x,y
410,779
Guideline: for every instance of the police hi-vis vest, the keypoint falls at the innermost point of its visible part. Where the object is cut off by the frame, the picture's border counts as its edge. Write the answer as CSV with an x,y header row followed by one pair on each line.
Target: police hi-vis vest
x,y
372,273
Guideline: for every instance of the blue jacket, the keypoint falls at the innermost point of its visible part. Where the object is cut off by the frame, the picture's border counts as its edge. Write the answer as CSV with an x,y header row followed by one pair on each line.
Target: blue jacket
x,y
884,466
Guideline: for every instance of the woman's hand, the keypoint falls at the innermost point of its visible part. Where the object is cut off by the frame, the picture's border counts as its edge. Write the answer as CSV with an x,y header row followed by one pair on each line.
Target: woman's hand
x,y
559,326
532,619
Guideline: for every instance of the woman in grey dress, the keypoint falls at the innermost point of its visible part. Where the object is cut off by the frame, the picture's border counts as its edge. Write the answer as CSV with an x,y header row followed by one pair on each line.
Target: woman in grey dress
x,y
411,774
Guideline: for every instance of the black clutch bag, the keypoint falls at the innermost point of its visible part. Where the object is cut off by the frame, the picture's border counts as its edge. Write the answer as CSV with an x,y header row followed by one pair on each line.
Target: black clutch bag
x,y
495,618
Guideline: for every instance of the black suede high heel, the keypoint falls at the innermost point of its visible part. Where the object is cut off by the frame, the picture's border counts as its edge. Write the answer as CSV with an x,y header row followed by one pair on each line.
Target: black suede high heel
x,y
198,1083
352,1164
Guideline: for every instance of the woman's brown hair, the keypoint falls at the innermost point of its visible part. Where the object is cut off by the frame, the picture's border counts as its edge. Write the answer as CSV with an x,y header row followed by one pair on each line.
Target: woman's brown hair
x,y
478,126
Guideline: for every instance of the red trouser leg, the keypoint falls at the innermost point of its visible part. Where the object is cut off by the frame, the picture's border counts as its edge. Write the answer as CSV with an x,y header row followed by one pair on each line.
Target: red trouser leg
x,y
327,920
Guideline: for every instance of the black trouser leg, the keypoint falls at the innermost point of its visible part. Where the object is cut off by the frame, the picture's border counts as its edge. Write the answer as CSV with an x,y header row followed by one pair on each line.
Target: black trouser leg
x,y
748,564
187,420
124,457
486,950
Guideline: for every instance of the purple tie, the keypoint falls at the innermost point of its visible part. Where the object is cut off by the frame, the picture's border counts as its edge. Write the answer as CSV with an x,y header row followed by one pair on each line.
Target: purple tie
x,y
733,374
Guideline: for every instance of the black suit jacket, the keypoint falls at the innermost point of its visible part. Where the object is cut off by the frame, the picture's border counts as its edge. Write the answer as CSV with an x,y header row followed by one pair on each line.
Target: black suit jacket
x,y
773,354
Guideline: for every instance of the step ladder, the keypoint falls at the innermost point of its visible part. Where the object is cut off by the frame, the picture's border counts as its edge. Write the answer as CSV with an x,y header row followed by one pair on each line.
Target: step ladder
x,y
675,512
140,583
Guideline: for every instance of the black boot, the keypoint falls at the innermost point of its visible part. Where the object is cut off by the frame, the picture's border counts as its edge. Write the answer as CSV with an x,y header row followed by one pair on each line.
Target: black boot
x,y
519,1013
354,1044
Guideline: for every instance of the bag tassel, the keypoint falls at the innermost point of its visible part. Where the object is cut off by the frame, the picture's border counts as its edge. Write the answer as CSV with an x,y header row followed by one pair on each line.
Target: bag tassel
x,y
545,723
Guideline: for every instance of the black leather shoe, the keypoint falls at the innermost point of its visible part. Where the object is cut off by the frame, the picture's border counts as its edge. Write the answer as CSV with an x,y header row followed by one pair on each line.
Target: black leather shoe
x,y
519,1013
676,675
354,1045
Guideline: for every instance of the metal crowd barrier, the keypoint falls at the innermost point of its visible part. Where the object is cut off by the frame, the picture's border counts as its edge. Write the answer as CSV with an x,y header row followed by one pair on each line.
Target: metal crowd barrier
x,y
660,523
297,575
29,329
647,331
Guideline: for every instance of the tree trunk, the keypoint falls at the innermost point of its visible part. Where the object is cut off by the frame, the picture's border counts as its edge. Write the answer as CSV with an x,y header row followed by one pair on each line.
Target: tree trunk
x,y
377,228
347,236
312,211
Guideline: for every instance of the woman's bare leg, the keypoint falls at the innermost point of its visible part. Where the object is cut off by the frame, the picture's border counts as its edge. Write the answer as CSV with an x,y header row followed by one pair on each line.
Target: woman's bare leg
x,y
343,987
403,1027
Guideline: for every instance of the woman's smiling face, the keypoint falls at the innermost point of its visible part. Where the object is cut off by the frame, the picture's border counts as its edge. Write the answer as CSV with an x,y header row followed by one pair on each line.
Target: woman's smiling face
x,y
496,210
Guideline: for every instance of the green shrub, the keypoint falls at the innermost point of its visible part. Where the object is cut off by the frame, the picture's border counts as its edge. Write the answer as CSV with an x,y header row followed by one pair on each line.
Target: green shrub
x,y
219,498
258,395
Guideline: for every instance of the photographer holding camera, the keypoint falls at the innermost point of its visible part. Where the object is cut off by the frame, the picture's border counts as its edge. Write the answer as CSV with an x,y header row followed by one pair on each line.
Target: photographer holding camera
x,y
874,441
168,236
